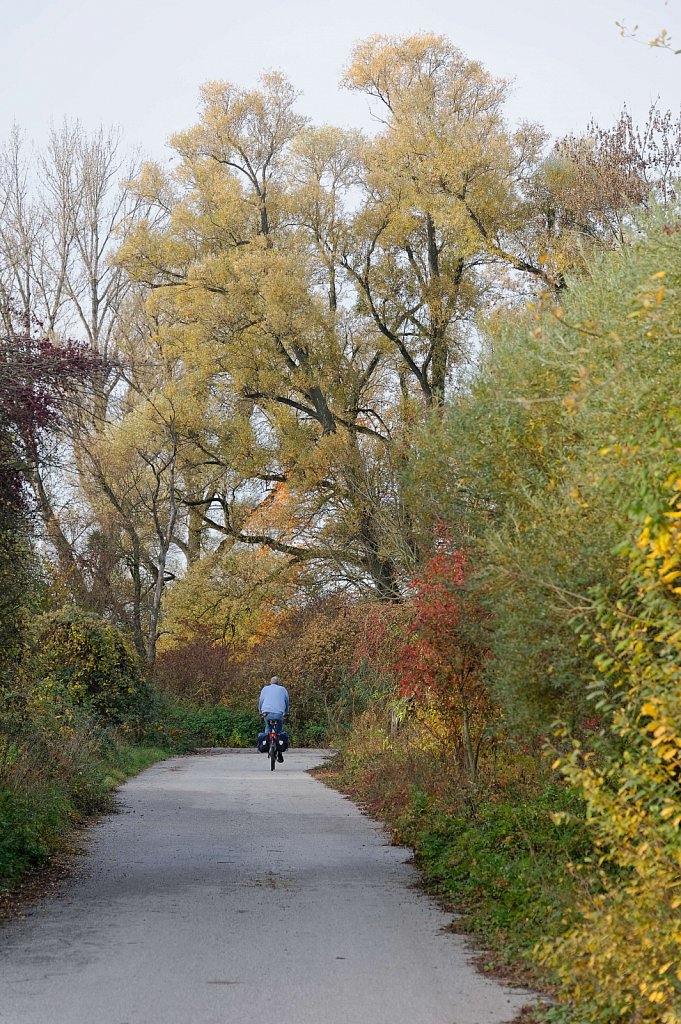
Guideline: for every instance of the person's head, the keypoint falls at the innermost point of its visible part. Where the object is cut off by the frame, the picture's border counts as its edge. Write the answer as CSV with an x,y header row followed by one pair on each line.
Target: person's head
x,y
275,681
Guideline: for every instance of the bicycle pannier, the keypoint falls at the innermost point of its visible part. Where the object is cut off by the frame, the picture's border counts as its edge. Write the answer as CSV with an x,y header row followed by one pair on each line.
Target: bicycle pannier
x,y
282,742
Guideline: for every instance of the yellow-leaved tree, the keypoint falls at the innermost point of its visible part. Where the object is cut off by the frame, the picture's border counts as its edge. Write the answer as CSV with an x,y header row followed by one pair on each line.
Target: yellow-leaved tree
x,y
315,292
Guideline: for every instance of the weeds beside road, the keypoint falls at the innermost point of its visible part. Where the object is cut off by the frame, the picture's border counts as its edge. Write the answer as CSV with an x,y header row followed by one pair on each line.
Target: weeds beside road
x,y
499,854
57,770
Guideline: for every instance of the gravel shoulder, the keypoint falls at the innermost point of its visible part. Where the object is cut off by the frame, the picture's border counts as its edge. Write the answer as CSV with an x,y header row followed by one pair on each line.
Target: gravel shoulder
x,y
221,886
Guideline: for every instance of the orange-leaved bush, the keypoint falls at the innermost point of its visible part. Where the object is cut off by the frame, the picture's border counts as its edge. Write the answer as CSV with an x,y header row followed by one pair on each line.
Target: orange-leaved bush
x,y
442,661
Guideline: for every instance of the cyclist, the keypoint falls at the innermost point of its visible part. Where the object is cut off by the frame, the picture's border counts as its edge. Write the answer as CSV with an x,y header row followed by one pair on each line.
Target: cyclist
x,y
273,704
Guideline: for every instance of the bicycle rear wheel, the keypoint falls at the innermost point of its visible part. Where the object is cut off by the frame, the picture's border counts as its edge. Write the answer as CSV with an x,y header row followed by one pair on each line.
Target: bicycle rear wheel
x,y
273,755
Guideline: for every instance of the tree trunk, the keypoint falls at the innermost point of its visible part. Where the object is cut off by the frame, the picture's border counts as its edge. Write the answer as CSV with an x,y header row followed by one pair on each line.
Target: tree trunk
x,y
135,572
194,532
66,557
470,760
438,367
165,539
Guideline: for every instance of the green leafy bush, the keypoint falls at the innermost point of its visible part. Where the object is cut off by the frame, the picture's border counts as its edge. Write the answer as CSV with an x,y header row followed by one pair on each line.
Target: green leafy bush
x,y
505,862
77,659
213,726
540,457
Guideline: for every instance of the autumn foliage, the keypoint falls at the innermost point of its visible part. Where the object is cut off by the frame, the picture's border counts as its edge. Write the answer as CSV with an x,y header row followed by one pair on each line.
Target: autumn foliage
x,y
366,411
620,958
442,660
77,660
430,651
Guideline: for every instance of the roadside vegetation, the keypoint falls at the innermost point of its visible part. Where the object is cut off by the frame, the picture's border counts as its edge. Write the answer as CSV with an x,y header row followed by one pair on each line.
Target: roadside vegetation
x,y
555,647
394,417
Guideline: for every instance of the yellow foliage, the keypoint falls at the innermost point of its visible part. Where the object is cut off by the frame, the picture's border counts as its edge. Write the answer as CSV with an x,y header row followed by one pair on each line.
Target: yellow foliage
x,y
620,956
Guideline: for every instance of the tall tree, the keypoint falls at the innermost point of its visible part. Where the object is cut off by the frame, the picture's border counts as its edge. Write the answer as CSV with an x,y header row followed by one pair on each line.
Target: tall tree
x,y
61,216
443,200
235,285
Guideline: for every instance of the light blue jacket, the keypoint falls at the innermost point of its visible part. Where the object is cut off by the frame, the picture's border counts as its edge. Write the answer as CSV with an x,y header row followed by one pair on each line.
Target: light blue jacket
x,y
273,700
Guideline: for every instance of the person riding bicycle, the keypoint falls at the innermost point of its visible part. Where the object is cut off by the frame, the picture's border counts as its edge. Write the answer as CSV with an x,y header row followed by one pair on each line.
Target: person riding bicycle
x,y
273,704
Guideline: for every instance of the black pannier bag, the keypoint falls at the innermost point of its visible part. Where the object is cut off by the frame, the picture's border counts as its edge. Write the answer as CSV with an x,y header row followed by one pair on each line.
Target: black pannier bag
x,y
263,742
282,742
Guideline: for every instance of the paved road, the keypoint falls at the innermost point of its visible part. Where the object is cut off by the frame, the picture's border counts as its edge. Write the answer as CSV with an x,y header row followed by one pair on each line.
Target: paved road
x,y
169,918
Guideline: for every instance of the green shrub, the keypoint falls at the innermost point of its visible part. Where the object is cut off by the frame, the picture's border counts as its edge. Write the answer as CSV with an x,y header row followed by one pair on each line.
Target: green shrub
x,y
20,572
77,659
541,455
31,824
183,726
220,726
504,863
54,770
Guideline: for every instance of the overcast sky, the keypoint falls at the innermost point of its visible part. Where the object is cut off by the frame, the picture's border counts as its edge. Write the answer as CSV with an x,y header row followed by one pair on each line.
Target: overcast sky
x,y
139,63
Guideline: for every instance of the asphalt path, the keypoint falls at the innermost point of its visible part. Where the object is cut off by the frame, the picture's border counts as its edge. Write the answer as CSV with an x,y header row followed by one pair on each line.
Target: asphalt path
x,y
223,892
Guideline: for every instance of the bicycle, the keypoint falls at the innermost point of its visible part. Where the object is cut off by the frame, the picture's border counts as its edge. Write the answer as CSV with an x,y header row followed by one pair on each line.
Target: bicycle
x,y
274,744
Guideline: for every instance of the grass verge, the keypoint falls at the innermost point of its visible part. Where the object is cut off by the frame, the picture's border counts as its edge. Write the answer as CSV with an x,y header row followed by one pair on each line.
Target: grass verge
x,y
40,832
500,854
41,804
